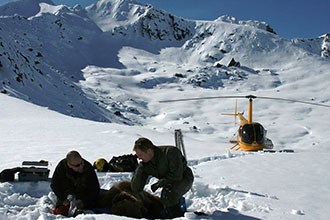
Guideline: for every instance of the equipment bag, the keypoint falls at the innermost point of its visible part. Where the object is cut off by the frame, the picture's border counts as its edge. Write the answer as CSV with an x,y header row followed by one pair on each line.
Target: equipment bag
x,y
124,163
8,175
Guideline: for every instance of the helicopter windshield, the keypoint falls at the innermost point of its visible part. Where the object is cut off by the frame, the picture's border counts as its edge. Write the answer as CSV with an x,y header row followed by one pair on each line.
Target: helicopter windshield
x,y
252,132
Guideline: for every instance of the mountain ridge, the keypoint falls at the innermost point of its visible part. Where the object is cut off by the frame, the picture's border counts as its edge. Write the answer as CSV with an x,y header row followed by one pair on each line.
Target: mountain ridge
x,y
44,52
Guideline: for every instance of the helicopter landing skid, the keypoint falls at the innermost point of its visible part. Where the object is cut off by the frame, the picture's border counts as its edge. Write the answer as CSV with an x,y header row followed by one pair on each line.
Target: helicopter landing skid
x,y
236,147
278,151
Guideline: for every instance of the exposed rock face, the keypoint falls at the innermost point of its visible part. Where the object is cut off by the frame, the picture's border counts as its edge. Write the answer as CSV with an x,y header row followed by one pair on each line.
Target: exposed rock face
x,y
326,46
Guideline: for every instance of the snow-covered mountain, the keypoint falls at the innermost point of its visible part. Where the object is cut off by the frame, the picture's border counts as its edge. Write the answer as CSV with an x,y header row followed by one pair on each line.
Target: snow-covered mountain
x,y
46,51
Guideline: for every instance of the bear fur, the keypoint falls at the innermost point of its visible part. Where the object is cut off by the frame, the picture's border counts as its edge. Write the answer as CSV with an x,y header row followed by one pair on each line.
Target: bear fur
x,y
121,200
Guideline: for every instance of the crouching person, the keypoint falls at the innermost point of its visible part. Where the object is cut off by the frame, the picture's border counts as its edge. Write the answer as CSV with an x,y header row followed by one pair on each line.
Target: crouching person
x,y
74,178
168,165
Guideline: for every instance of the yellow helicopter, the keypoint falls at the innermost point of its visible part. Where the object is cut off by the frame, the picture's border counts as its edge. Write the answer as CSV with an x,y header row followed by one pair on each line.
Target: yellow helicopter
x,y
251,135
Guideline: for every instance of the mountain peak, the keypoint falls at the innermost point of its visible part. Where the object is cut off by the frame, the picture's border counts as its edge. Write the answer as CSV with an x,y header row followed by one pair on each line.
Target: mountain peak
x,y
108,14
260,25
25,8
127,17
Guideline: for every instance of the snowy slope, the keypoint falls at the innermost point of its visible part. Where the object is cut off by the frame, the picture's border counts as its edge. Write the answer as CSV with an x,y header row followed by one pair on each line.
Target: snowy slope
x,y
78,69
233,185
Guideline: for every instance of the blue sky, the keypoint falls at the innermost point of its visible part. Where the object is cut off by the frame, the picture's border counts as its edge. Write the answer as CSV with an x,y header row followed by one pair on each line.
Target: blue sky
x,y
289,18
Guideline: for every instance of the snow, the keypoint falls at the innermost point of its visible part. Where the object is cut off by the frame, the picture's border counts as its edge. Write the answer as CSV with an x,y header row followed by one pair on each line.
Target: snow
x,y
108,70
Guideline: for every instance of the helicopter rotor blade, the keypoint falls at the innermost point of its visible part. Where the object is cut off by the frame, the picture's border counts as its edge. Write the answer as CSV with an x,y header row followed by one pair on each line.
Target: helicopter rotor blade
x,y
293,100
248,96
201,98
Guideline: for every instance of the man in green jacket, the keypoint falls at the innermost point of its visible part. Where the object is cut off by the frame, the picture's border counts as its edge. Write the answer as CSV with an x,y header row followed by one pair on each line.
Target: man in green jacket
x,y
75,176
170,167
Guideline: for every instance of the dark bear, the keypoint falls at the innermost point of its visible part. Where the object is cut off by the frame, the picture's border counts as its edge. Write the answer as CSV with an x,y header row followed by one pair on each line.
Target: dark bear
x,y
121,200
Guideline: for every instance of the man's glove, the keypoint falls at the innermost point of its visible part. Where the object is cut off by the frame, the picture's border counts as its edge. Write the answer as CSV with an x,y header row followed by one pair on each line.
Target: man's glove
x,y
154,187
68,199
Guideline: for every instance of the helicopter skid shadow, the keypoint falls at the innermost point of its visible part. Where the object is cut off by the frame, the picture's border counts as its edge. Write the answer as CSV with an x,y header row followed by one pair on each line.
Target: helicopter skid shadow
x,y
249,193
231,214
218,157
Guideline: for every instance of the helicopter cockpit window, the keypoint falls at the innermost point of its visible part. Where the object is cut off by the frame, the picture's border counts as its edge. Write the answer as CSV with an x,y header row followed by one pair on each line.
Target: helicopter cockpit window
x,y
252,132
259,132
247,133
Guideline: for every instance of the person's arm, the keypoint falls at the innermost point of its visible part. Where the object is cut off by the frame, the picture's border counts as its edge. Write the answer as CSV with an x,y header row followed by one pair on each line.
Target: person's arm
x,y
139,179
93,188
56,182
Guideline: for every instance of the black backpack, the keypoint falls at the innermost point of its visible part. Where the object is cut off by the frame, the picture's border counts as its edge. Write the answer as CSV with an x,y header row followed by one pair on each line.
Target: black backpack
x,y
124,163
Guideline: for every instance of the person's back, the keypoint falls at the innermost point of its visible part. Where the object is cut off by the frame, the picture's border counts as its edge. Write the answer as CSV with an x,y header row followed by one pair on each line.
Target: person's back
x,y
75,176
168,165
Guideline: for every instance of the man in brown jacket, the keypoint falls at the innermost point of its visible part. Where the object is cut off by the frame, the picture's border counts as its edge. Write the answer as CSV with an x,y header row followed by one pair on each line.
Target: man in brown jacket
x,y
75,176
170,167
